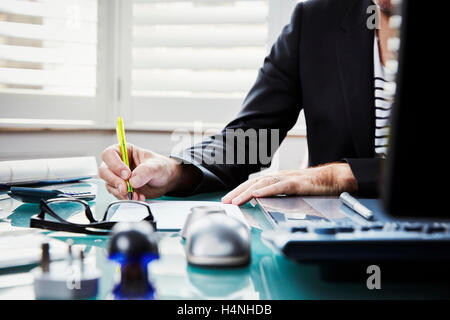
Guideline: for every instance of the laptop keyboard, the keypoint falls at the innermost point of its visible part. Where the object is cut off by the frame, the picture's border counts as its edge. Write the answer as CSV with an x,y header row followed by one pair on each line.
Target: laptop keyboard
x,y
327,241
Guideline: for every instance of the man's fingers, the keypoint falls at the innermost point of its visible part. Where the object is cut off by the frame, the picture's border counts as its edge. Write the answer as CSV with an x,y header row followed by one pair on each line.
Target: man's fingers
x,y
112,190
238,190
112,159
142,174
283,187
110,178
138,196
248,194
141,197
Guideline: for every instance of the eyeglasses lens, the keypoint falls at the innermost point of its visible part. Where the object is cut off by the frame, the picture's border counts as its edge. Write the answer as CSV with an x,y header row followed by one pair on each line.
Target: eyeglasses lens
x,y
127,212
69,210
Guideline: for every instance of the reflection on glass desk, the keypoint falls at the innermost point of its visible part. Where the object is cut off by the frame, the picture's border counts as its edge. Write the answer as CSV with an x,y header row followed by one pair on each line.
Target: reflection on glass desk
x,y
269,276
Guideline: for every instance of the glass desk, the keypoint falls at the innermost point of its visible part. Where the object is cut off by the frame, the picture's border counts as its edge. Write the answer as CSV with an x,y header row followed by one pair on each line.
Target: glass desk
x,y
269,276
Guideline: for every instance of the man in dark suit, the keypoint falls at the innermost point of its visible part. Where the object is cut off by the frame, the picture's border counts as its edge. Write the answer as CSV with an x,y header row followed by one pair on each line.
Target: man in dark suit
x,y
323,63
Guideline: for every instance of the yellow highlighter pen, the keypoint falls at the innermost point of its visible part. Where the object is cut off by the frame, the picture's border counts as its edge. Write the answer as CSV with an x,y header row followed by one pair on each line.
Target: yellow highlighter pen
x,y
123,150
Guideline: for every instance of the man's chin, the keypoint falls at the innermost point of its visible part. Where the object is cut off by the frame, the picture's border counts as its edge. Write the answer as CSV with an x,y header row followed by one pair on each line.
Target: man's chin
x,y
387,11
385,6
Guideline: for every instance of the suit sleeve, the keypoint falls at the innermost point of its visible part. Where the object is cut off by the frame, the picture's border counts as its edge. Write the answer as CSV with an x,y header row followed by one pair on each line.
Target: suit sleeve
x,y
368,175
269,111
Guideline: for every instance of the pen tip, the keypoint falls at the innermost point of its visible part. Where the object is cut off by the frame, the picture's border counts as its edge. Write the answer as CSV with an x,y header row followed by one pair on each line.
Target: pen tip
x,y
130,196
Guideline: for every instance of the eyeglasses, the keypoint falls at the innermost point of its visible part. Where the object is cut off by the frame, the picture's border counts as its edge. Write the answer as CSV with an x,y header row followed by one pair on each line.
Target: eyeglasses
x,y
61,210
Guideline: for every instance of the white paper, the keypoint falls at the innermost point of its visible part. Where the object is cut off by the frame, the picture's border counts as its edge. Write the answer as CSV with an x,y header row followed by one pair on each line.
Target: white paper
x,y
129,212
171,215
25,171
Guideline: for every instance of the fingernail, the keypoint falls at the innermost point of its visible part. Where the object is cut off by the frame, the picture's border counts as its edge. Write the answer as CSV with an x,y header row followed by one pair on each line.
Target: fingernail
x,y
135,181
120,188
124,174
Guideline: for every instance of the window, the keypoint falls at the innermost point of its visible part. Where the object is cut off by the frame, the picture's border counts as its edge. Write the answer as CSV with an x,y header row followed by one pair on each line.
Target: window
x,y
161,64
48,53
201,55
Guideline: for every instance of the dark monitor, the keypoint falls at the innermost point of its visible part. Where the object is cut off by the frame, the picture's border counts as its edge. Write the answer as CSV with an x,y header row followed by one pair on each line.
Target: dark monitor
x,y
416,180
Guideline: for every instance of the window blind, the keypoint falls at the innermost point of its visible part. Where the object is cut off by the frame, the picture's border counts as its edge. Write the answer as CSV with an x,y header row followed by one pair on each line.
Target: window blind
x,y
197,48
48,47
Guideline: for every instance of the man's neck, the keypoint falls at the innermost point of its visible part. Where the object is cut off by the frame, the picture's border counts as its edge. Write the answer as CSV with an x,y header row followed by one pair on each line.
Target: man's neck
x,y
384,33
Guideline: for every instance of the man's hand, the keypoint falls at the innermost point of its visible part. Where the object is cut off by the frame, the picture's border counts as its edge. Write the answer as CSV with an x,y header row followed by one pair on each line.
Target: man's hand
x,y
151,176
331,179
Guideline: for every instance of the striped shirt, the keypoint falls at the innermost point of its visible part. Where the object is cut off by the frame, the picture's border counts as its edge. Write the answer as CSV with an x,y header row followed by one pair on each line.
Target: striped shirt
x,y
383,105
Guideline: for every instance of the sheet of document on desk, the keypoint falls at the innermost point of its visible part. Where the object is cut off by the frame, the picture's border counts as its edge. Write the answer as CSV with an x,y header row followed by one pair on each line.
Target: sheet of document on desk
x,y
171,215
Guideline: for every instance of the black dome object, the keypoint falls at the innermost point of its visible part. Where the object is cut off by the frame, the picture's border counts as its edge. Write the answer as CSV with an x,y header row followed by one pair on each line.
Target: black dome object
x,y
132,240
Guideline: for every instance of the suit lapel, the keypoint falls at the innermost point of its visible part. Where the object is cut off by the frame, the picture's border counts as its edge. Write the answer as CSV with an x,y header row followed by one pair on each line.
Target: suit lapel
x,y
355,60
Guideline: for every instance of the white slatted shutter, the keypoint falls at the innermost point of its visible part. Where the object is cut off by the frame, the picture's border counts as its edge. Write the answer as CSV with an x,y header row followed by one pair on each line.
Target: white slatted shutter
x,y
161,64
48,51
196,55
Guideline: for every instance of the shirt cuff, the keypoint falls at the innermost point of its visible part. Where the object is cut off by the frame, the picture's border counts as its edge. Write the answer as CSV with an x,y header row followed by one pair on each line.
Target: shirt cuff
x,y
208,183
367,174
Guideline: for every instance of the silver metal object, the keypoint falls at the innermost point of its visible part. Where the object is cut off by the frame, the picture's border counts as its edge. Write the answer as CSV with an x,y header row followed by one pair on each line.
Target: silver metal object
x,y
197,213
64,281
357,206
218,240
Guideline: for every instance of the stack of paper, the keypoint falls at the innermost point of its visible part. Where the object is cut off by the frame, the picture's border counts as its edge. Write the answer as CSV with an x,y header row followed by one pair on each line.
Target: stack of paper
x,y
47,170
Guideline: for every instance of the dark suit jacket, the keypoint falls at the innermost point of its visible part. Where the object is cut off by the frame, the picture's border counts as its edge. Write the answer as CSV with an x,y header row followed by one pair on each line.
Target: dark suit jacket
x,y
323,63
